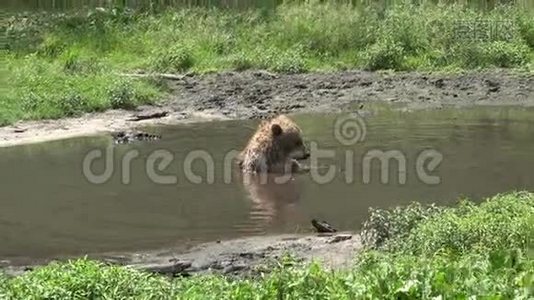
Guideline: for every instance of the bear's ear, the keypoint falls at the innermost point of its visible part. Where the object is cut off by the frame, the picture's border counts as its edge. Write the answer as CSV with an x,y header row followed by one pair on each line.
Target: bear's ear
x,y
276,129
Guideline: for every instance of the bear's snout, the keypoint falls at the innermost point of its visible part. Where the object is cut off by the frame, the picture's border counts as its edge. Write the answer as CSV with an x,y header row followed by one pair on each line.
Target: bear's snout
x,y
300,154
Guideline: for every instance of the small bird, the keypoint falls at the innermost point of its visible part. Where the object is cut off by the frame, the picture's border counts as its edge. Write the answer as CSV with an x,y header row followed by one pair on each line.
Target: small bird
x,y
323,226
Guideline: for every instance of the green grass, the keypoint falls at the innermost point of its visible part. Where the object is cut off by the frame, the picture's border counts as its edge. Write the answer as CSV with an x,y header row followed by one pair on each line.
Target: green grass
x,y
501,222
42,89
62,64
470,250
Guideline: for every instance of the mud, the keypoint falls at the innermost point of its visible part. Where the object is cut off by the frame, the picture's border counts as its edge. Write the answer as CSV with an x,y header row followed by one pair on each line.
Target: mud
x,y
260,94
246,257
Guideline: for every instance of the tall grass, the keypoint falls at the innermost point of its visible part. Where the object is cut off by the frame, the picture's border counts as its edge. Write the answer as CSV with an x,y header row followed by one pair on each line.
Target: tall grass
x,y
494,263
163,4
76,56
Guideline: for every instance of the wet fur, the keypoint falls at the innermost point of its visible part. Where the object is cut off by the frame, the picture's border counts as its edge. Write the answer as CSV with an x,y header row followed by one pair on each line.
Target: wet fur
x,y
273,148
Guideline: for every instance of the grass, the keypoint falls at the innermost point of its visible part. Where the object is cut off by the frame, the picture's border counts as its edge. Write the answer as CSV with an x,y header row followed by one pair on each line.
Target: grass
x,y
41,89
64,64
468,251
502,222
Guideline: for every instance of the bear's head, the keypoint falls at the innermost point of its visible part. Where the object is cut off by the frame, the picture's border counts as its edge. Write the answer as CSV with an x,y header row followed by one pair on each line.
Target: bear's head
x,y
288,139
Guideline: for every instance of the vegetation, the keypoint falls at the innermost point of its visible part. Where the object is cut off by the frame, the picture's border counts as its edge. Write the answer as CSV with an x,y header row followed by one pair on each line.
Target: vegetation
x,y
438,253
63,64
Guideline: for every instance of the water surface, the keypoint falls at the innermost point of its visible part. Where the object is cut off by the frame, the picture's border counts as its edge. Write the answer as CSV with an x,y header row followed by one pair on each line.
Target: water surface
x,y
48,207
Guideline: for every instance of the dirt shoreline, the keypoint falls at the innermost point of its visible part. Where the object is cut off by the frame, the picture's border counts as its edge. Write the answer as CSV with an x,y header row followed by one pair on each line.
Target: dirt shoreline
x,y
259,94
248,256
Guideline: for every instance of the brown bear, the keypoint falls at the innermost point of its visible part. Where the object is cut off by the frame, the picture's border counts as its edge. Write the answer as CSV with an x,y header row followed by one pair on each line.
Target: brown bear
x,y
274,148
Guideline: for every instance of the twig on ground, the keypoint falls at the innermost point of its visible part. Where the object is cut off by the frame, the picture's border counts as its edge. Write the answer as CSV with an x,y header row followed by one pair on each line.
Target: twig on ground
x,y
159,75
155,115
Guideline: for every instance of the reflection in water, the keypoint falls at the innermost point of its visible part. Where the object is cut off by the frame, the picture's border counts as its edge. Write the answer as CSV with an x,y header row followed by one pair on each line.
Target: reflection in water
x,y
272,201
48,208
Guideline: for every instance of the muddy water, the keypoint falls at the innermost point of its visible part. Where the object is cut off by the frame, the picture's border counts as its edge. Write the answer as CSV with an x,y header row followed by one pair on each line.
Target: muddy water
x,y
48,207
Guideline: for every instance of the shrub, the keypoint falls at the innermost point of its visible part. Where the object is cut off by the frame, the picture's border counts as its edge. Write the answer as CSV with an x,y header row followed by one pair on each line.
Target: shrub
x,y
174,59
398,222
501,222
51,47
121,95
506,55
499,274
72,104
401,28
74,63
241,62
84,279
526,28
385,54
290,61
31,102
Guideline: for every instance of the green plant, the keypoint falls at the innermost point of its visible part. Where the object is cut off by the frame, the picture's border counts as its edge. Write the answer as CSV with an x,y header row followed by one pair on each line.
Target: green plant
x,y
506,55
72,104
84,279
526,28
502,222
386,224
121,95
385,54
289,61
241,62
174,59
52,46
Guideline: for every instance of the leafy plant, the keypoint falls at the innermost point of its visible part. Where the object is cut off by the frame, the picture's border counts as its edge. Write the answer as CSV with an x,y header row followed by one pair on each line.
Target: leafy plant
x,y
174,59
385,54
386,224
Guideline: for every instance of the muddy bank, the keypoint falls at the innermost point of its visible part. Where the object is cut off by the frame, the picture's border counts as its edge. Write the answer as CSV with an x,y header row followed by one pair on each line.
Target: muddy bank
x,y
259,94
240,257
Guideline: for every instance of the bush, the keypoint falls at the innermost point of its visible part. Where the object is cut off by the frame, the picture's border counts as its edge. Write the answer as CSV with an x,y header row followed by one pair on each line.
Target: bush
x,y
31,102
506,274
51,47
76,64
506,55
499,274
497,54
122,95
174,59
385,54
401,28
398,222
526,28
85,279
502,222
72,105
290,62
241,62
